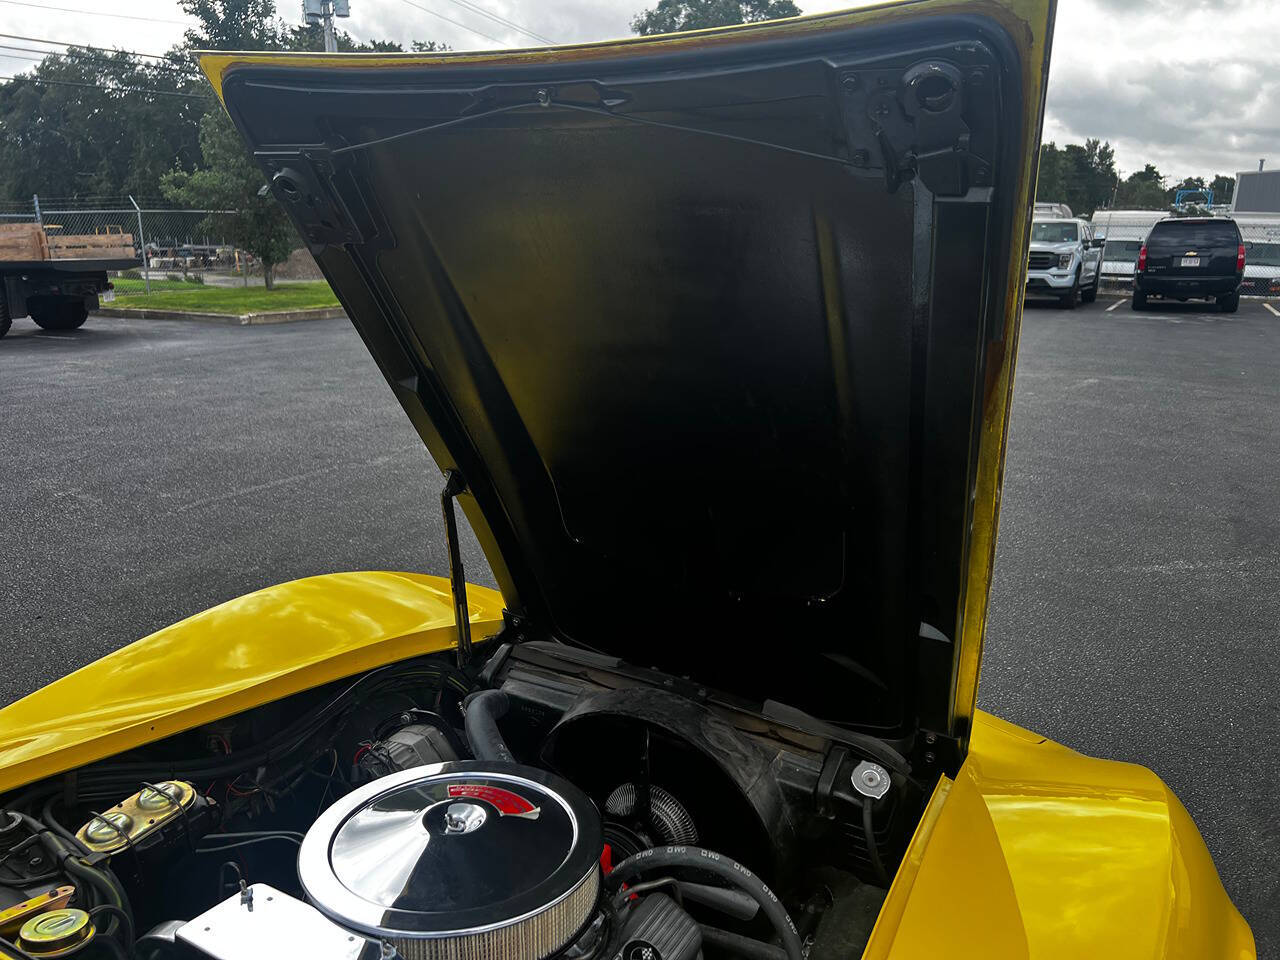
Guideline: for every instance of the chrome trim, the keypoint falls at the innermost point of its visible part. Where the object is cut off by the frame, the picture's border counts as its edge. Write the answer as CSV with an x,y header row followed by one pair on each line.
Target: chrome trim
x,y
344,906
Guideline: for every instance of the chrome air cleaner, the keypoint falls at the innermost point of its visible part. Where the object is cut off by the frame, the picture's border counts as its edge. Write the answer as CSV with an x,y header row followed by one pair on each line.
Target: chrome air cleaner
x,y
458,861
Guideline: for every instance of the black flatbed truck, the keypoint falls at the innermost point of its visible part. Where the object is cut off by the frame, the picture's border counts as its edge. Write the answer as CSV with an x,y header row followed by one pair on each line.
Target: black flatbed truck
x,y
56,294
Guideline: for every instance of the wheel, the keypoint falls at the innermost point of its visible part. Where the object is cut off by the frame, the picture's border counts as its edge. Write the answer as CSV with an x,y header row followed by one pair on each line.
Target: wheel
x,y
1229,303
60,315
1091,294
1139,300
1071,299
6,321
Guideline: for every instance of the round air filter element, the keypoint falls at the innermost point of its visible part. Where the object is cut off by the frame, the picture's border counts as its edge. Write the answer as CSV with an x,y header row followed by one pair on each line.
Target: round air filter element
x,y
458,861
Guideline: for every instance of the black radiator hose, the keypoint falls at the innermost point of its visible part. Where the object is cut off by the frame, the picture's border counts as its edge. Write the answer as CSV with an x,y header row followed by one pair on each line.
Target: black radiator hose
x,y
734,873
482,711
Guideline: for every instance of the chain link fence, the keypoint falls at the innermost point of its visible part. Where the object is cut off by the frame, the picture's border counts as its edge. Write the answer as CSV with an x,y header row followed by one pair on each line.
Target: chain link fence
x,y
178,249
1261,235
1126,231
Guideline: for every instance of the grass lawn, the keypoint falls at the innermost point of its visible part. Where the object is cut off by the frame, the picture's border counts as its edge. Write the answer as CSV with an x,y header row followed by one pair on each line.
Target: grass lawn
x,y
127,286
206,299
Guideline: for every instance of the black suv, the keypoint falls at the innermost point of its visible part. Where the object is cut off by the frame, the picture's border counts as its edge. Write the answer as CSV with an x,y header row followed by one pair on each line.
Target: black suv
x,y
1200,257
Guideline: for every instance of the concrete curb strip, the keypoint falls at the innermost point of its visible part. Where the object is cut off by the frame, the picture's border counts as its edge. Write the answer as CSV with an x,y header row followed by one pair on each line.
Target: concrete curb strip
x,y
233,319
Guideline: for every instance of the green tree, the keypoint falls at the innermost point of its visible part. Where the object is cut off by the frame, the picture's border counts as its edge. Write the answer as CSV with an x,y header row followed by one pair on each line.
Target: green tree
x,y
91,121
98,122
1223,187
230,180
673,16
1188,183
1081,176
233,25
310,36
1142,190
1049,188
1088,175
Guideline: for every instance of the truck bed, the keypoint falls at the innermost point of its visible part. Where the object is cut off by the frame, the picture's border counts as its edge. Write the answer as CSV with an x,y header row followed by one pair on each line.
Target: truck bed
x,y
69,266
29,246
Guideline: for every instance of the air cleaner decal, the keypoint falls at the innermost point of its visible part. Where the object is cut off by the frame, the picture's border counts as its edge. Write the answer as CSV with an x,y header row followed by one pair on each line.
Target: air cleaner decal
x,y
504,801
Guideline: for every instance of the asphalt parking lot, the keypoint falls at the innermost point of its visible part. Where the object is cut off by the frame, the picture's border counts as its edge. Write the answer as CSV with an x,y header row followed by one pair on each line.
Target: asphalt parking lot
x,y
155,468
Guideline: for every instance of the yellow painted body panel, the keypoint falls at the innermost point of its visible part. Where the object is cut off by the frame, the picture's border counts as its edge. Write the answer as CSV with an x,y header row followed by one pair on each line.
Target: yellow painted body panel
x,y
1035,851
240,654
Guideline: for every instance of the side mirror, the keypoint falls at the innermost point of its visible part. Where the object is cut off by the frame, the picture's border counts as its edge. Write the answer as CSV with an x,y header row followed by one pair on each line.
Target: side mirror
x,y
1098,242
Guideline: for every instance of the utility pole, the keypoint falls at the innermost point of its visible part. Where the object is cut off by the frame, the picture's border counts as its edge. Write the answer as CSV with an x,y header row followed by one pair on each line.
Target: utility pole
x,y
323,12
330,41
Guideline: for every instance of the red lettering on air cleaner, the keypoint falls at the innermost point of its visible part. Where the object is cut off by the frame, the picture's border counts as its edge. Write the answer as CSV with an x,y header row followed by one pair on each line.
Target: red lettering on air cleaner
x,y
507,803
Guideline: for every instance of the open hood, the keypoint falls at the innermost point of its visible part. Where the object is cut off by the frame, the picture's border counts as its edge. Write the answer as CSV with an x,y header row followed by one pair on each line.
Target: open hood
x,y
718,328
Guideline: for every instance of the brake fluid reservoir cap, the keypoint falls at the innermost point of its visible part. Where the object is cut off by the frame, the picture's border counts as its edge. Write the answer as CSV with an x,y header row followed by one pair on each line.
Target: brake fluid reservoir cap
x,y
160,796
56,932
108,827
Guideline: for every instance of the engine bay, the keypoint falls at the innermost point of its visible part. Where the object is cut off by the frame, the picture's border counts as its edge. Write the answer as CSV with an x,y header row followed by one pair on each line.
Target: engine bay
x,y
544,802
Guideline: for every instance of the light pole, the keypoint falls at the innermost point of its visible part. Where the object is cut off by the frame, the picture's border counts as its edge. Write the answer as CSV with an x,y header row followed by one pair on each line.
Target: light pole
x,y
323,12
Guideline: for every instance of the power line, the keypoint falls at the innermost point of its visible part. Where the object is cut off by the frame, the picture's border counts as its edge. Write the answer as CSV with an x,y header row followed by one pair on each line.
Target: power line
x,y
182,71
95,13
120,87
456,23
502,20
89,46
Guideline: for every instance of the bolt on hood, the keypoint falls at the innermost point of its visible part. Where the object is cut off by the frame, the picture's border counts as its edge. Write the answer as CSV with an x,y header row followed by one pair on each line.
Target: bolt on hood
x,y
719,328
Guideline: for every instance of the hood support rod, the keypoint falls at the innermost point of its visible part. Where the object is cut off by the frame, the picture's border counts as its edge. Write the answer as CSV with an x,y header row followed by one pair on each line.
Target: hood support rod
x,y
454,484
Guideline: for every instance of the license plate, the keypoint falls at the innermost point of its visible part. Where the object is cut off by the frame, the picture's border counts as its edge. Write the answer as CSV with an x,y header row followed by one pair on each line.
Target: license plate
x,y
107,296
1191,261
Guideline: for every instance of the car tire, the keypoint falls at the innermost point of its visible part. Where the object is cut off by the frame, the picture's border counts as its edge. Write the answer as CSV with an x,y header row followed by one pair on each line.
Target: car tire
x,y
1230,303
1091,294
1071,299
6,321
61,316
1139,300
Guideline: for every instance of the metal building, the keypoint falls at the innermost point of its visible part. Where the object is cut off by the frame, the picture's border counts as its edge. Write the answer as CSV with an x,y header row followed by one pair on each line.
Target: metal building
x,y
1257,191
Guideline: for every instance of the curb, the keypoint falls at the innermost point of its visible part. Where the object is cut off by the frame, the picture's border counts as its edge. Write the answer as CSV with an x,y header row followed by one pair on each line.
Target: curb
x,y
229,319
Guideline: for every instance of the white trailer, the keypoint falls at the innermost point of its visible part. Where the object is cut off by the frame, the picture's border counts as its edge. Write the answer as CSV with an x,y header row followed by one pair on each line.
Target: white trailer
x,y
1261,235
1124,231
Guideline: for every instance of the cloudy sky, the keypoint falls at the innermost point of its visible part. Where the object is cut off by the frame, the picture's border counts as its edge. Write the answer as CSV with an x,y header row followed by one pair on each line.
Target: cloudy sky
x,y
1189,85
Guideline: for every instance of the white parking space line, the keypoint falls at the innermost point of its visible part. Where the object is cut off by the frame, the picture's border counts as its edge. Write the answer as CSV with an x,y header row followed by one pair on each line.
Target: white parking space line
x,y
1272,309
1114,305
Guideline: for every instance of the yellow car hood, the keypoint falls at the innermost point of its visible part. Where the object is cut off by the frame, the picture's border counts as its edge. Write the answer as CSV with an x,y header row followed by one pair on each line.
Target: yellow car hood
x,y
719,328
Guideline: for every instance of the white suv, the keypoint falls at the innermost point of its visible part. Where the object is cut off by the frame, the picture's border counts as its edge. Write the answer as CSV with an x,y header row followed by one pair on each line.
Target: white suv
x,y
1065,261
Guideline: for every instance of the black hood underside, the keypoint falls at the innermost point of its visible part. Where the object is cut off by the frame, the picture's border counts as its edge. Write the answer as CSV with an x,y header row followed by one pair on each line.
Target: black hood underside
x,y
705,330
